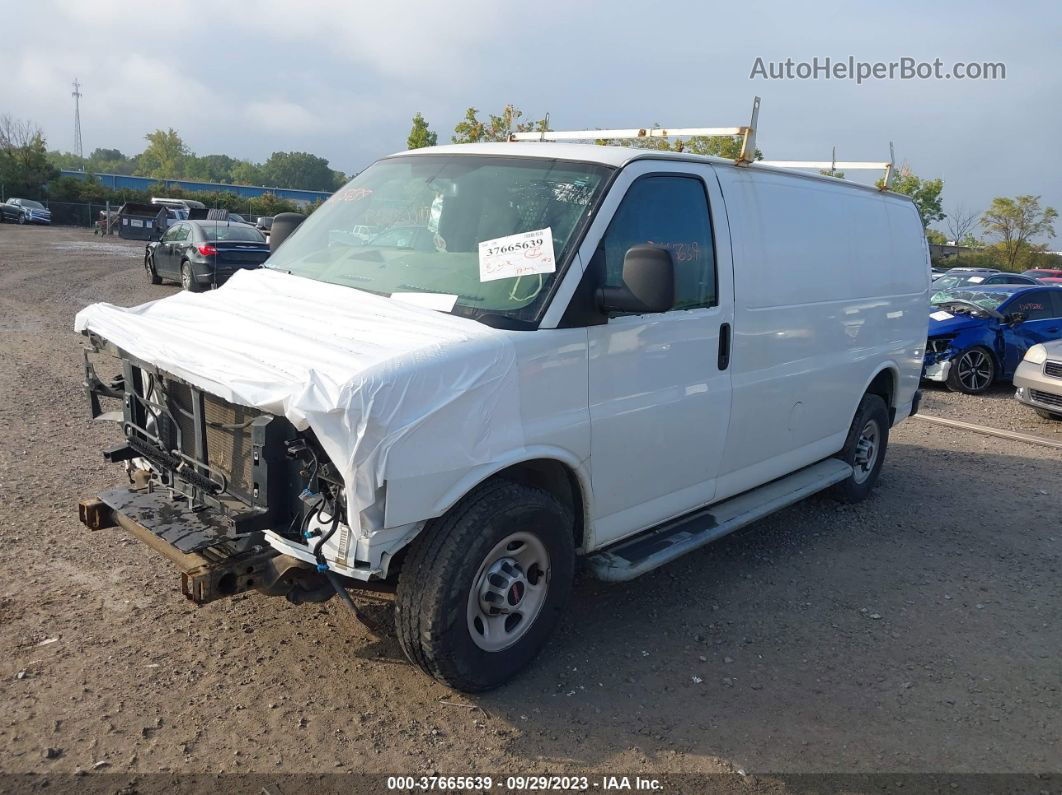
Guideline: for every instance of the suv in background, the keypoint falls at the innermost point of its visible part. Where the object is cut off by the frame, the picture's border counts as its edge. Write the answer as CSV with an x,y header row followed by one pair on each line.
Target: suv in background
x,y
27,211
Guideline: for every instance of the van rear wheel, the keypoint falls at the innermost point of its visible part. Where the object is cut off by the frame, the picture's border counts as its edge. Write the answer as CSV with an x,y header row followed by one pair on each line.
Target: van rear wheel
x,y
482,588
864,449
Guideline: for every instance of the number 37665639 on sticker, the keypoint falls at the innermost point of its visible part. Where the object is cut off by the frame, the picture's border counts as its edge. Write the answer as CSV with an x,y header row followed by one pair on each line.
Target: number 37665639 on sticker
x,y
517,255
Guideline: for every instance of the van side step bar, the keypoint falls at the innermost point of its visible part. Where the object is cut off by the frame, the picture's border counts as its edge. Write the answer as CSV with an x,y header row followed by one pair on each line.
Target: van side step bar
x,y
664,543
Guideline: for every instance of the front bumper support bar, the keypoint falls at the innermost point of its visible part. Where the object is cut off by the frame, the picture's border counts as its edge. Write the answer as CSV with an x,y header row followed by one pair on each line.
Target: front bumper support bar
x,y
212,565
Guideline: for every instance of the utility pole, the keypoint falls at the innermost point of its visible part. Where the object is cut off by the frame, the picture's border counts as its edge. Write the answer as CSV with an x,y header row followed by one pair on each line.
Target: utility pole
x,y
76,94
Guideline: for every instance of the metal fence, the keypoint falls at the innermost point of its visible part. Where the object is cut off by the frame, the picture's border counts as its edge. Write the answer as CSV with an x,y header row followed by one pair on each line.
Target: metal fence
x,y
76,213
85,214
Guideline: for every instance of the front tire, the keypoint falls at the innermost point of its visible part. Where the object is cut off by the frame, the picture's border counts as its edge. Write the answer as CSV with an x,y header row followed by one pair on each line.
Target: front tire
x,y
482,588
188,281
972,371
21,219
864,449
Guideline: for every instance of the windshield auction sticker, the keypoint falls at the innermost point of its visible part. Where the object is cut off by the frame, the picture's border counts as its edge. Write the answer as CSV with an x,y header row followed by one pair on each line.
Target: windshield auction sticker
x,y
517,255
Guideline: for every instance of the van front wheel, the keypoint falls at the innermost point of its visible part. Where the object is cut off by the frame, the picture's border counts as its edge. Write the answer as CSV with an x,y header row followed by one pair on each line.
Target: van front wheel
x,y
864,449
482,588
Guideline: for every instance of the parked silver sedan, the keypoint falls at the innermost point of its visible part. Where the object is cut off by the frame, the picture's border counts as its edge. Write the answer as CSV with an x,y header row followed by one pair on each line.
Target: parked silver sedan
x,y
1039,379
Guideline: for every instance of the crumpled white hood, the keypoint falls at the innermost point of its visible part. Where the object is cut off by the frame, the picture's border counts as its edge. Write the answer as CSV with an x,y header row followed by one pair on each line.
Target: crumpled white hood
x,y
384,385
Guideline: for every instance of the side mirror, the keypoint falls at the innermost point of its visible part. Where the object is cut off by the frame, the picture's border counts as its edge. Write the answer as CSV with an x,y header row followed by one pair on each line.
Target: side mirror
x,y
648,283
1016,318
283,225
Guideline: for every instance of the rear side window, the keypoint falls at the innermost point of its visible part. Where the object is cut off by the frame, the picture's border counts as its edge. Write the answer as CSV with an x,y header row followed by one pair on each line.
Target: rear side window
x,y
670,212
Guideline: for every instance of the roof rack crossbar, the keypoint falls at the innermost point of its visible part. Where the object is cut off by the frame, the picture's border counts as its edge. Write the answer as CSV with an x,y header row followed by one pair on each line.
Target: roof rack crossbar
x,y
644,132
747,133
838,165
748,144
889,166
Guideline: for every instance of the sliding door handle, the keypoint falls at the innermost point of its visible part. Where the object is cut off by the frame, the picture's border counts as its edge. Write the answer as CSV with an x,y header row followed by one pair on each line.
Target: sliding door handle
x,y
724,346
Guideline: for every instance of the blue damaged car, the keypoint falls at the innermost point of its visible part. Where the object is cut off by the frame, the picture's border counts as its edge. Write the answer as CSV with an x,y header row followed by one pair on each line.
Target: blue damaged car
x,y
978,335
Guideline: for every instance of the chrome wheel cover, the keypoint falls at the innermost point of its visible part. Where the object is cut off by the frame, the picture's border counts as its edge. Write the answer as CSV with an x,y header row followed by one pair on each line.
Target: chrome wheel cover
x,y
508,592
867,449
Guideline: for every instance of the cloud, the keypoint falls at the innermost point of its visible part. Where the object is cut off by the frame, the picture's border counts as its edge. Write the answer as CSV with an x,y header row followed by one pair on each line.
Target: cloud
x,y
281,116
415,39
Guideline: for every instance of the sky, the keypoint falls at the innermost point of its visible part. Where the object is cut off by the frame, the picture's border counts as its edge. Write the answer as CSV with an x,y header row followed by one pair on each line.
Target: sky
x,y
343,79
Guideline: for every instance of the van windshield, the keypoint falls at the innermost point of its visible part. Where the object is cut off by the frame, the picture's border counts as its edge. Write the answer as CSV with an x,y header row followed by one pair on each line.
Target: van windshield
x,y
444,224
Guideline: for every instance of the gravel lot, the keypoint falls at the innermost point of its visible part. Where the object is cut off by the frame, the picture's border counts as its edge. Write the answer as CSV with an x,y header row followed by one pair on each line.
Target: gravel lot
x,y
917,631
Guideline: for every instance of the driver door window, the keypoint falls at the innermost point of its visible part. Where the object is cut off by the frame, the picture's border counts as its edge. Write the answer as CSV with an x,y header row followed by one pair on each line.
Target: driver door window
x,y
670,212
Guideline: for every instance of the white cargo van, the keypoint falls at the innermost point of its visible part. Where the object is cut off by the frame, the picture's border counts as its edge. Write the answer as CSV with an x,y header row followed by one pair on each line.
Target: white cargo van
x,y
558,352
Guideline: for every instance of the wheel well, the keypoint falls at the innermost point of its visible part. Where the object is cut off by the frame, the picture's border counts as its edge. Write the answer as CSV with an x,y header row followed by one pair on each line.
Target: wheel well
x,y
884,386
556,478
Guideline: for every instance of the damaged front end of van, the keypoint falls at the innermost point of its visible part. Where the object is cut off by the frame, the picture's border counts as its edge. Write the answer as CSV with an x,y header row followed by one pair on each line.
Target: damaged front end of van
x,y
270,472
209,481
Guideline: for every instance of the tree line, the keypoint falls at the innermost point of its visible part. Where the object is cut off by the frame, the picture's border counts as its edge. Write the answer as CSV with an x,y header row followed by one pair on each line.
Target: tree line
x,y
1010,227
167,156
29,170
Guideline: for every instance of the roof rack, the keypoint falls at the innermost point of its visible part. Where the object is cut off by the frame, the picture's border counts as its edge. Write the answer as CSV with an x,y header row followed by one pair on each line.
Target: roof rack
x,y
748,144
834,164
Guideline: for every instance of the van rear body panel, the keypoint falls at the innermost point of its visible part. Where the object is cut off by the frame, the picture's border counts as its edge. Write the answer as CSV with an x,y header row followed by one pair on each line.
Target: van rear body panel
x,y
831,287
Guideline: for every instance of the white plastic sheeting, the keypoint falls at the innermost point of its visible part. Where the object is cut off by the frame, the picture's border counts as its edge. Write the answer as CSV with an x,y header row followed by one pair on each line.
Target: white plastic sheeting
x,y
380,382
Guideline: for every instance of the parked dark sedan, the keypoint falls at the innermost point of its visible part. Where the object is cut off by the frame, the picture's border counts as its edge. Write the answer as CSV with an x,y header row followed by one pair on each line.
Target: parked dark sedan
x,y
200,254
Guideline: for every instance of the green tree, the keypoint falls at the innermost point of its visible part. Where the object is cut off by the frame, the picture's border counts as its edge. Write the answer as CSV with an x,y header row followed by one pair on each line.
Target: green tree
x,y
1015,223
165,156
925,193
110,161
210,168
67,160
936,238
420,135
245,172
298,170
471,130
24,166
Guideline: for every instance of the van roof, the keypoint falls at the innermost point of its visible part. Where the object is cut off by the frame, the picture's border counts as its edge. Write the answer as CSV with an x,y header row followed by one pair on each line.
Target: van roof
x,y
616,156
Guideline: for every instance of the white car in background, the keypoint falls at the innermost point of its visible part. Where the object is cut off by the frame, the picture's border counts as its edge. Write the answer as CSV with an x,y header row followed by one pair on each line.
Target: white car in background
x,y
1039,380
